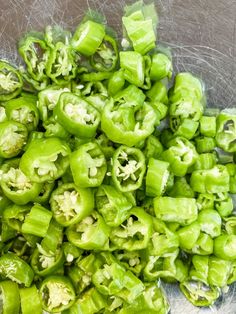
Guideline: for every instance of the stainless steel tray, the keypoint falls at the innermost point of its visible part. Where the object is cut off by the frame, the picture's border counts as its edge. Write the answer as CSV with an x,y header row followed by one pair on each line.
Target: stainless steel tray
x,y
202,35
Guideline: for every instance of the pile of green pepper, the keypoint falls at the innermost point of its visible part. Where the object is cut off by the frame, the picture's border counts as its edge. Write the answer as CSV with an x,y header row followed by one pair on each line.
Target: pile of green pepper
x,y
111,177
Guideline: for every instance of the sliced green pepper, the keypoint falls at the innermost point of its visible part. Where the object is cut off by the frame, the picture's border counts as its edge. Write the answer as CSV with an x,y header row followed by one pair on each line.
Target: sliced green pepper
x,y
132,63
30,301
88,165
13,137
128,168
70,204
45,159
89,234
10,303
16,185
224,246
10,81
16,269
76,115
226,130
135,232
56,294
113,205
181,210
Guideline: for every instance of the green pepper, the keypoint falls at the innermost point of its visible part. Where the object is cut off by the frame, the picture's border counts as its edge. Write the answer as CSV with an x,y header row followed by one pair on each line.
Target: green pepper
x,y
161,67
224,246
140,29
54,129
210,222
205,144
181,188
16,185
153,147
153,300
205,201
45,159
200,268
188,236
88,37
106,56
83,269
163,241
131,260
215,180
161,267
88,165
230,225
24,111
126,119
14,215
113,205
113,279
232,180
106,146
204,162
4,201
47,100
156,177
128,168
135,232
132,63
116,82
30,301
226,130
198,293
13,137
208,126
3,116
71,252
90,302
34,52
10,81
204,245
56,294
70,204
181,210
181,154
10,297
187,128
16,269
45,193
90,233
61,64
76,115
223,204
158,93
37,221
219,271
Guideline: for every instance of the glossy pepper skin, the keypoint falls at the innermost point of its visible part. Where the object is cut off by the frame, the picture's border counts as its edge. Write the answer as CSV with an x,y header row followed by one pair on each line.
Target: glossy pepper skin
x,y
128,168
56,294
226,130
127,119
113,205
91,233
13,137
181,210
70,204
30,300
181,154
45,159
121,283
76,115
215,180
16,269
23,110
10,81
135,232
11,297
88,165
16,185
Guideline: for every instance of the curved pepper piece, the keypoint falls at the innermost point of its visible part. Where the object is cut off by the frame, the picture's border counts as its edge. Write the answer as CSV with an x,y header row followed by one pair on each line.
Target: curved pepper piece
x,y
225,246
56,294
45,159
13,137
88,165
128,168
127,120
71,204
76,115
10,81
16,185
135,232
16,269
10,297
226,130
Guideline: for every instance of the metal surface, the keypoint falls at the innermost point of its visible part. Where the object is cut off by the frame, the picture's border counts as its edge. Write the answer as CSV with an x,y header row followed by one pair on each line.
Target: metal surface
x,y
201,33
